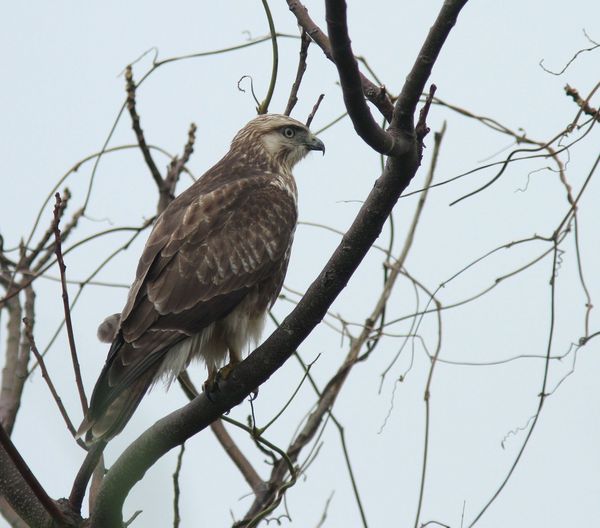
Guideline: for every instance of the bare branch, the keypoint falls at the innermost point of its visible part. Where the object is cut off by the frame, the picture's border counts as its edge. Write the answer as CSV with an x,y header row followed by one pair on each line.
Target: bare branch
x,y
84,474
176,488
67,308
10,392
406,103
137,128
352,88
167,190
377,95
263,107
29,334
293,98
582,103
572,59
233,451
311,116
23,491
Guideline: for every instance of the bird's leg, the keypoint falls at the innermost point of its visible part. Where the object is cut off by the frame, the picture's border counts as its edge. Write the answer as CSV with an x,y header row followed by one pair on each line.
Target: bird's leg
x,y
210,386
216,376
234,358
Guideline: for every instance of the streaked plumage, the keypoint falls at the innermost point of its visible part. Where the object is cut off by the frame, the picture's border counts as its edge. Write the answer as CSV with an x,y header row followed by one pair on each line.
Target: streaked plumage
x,y
213,265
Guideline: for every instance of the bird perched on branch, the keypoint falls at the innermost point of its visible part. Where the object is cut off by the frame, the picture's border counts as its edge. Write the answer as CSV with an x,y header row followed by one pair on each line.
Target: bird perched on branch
x,y
212,267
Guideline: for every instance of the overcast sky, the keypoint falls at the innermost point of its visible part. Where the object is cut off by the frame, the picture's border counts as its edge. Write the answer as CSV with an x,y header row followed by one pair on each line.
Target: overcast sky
x,y
62,90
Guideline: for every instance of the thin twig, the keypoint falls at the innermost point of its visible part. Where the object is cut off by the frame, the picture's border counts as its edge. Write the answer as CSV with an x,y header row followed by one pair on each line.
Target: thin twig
x,y
167,191
582,103
427,399
137,128
263,108
176,488
542,395
311,116
46,376
373,93
293,98
227,443
572,59
67,309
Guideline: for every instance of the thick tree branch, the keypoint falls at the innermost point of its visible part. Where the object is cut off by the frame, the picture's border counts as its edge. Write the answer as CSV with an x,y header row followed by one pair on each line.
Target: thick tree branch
x,y
376,94
343,57
406,104
9,391
22,490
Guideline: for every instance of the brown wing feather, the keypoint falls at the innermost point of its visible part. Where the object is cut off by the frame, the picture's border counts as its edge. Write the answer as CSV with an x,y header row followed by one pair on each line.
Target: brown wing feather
x,y
205,253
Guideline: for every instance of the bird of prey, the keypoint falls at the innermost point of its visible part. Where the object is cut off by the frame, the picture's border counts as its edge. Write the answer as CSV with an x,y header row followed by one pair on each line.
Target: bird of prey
x,y
211,268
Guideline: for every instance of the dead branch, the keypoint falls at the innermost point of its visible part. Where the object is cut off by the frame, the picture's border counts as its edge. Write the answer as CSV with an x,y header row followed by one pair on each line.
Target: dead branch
x,y
293,98
137,128
352,86
377,95
167,188
67,308
29,334
582,103
23,491
233,451
311,116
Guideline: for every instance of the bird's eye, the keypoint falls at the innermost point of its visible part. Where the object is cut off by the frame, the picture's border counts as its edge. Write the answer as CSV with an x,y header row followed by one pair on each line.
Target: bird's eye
x,y
288,132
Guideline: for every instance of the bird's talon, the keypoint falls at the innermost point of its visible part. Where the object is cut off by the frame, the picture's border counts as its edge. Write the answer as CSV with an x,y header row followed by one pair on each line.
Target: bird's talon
x,y
211,388
224,372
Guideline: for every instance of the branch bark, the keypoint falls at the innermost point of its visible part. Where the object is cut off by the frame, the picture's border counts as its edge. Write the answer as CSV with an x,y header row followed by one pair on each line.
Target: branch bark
x,y
22,490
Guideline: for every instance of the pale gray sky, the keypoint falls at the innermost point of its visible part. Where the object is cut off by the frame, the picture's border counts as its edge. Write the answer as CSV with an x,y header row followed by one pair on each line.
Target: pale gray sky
x,y
62,90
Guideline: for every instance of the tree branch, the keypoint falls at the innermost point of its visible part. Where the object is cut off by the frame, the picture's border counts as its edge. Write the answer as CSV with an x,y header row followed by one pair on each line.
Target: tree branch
x,y
137,128
376,94
350,80
67,309
57,399
166,191
233,451
406,104
22,490
293,98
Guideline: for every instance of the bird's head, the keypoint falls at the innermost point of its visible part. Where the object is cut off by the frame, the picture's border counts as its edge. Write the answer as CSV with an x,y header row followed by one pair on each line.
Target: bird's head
x,y
281,138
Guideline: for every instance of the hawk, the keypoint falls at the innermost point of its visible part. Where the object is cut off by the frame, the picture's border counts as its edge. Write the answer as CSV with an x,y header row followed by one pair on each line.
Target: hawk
x,y
211,268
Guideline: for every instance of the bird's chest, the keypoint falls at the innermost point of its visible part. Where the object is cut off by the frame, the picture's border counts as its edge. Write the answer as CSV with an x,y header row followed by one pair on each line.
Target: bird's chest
x,y
285,182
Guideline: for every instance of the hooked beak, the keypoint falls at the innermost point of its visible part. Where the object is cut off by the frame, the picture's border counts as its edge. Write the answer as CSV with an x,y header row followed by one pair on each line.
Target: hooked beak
x,y
314,143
